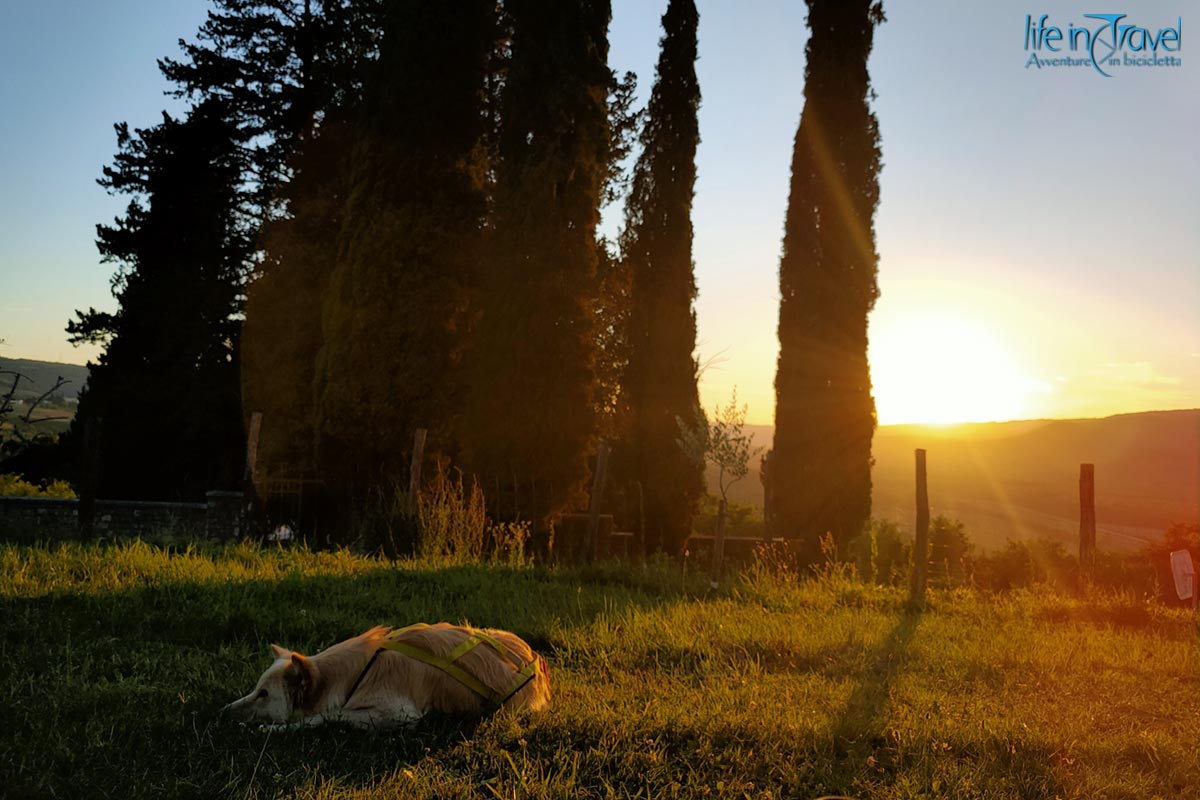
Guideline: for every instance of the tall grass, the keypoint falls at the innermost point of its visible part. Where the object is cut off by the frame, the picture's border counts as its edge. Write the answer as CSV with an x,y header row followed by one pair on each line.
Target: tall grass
x,y
453,518
449,525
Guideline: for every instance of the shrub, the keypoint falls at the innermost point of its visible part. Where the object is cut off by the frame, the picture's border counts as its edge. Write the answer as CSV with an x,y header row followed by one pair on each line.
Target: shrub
x,y
949,552
382,523
1023,564
740,519
1180,536
14,486
881,554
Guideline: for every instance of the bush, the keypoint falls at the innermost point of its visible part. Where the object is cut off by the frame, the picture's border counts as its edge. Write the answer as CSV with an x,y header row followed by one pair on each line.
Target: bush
x,y
1180,536
382,523
880,554
1023,564
740,519
949,552
1128,571
14,486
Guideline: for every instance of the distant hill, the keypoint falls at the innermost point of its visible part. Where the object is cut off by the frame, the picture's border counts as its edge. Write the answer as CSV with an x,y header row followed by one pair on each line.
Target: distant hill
x,y
41,375
1016,480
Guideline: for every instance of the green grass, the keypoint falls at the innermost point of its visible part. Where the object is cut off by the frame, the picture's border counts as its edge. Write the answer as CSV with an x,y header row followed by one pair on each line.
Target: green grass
x,y
116,660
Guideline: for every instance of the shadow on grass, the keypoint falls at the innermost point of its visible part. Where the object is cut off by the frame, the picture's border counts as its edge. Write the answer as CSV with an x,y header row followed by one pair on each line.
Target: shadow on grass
x,y
861,723
862,735
122,689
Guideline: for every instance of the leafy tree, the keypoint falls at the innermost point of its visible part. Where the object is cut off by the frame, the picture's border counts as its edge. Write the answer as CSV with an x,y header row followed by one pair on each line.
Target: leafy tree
x,y
659,381
166,385
825,413
723,442
396,315
531,416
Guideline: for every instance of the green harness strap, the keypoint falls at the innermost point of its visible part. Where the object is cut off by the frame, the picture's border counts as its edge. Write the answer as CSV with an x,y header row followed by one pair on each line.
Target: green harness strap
x,y
525,672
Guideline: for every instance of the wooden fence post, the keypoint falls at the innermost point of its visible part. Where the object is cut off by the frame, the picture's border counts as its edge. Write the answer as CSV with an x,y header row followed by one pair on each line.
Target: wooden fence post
x,y
921,544
252,445
254,511
766,474
414,469
719,544
1087,523
641,544
597,495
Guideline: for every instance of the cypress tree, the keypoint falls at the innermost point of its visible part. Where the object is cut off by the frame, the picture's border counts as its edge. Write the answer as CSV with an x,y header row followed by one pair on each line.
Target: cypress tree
x,y
531,417
660,379
396,313
281,334
166,384
825,413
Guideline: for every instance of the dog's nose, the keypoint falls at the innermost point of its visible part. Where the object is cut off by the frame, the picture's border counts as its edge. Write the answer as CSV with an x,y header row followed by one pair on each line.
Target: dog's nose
x,y
237,707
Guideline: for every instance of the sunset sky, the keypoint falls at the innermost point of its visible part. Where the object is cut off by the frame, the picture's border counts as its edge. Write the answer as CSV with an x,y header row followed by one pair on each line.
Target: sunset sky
x,y
1038,237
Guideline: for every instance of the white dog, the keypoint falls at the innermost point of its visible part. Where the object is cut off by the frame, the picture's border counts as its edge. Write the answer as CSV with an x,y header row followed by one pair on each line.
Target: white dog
x,y
385,677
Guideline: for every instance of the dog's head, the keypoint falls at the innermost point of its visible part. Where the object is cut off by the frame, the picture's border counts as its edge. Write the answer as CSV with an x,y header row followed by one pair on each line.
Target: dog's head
x,y
283,692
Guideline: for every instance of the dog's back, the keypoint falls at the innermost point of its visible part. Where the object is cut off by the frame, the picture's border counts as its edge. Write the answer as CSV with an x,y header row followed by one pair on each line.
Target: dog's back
x,y
433,688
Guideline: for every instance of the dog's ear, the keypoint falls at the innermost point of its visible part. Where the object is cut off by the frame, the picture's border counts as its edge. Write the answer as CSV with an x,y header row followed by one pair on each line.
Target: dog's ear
x,y
302,671
300,678
280,652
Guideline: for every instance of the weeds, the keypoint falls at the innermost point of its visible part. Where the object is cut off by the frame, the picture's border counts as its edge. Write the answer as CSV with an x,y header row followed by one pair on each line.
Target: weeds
x,y
453,519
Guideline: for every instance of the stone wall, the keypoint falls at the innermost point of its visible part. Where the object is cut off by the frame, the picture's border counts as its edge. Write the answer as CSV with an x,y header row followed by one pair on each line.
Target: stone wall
x,y
31,519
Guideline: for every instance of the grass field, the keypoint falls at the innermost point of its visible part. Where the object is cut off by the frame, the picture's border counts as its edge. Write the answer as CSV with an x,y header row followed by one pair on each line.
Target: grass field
x,y
116,661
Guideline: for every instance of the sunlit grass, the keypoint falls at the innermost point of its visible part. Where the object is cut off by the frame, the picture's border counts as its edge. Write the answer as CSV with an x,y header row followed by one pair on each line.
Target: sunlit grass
x,y
118,659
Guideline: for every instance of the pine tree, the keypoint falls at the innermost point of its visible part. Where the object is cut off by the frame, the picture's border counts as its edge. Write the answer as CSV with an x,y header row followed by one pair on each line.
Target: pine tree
x,y
279,67
825,414
531,416
396,314
166,385
660,379
263,74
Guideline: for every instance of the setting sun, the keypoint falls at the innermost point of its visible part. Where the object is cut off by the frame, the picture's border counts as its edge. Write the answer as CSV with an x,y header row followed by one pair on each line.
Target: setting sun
x,y
940,369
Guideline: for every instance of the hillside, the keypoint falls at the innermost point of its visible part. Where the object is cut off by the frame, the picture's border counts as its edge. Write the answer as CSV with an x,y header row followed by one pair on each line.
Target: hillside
x,y
41,376
1020,479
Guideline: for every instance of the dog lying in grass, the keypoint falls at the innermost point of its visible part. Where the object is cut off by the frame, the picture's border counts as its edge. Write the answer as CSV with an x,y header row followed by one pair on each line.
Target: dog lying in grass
x,y
388,677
